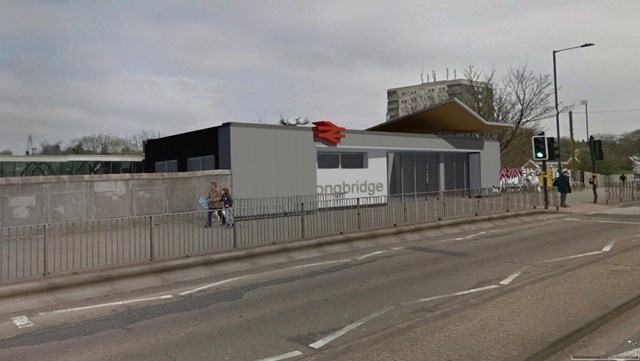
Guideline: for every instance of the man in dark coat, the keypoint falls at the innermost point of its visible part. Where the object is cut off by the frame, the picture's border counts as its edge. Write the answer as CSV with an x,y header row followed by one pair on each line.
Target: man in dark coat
x,y
564,186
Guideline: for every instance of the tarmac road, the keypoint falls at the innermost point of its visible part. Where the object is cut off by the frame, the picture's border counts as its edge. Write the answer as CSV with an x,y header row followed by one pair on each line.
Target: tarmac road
x,y
502,289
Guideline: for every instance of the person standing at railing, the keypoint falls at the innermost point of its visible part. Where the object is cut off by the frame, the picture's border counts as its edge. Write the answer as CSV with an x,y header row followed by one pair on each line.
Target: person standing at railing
x,y
215,203
564,187
227,204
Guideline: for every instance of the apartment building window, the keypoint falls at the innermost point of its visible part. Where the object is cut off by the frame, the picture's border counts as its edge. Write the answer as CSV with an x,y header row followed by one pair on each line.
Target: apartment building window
x,y
332,160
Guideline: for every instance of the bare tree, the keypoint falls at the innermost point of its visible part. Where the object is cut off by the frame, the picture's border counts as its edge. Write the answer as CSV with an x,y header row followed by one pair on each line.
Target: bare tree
x,y
480,94
6,152
522,99
109,144
297,121
137,141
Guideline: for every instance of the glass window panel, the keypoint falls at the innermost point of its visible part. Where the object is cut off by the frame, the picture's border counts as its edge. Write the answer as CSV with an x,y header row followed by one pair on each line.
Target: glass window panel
x,y
194,164
395,177
352,160
209,162
328,160
421,173
408,179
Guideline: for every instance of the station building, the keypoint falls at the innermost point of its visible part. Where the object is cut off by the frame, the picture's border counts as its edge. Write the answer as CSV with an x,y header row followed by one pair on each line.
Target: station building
x,y
435,149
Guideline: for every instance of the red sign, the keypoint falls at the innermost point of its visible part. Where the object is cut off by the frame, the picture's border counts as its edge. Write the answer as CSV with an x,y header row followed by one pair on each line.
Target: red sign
x,y
328,132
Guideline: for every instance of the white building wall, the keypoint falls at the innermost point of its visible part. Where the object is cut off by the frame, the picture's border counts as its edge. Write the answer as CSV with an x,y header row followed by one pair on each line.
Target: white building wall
x,y
353,183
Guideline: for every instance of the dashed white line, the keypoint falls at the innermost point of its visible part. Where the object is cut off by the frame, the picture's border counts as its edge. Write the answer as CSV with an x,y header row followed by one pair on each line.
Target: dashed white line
x,y
22,321
352,326
320,263
618,222
447,240
210,285
609,245
119,303
474,235
473,290
513,276
284,356
570,257
370,254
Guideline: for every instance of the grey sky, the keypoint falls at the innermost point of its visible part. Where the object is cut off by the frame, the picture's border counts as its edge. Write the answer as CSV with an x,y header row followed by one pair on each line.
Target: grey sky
x,y
74,68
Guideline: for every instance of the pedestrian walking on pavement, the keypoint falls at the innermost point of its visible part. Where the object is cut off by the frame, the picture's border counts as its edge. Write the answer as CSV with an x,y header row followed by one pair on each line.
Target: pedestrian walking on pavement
x,y
214,197
564,187
227,203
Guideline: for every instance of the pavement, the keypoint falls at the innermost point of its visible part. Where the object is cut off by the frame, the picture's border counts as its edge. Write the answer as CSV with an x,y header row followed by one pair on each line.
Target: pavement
x,y
545,314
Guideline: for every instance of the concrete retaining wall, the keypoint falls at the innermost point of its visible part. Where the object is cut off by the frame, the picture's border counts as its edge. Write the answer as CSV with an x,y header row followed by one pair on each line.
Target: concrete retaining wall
x,y
54,199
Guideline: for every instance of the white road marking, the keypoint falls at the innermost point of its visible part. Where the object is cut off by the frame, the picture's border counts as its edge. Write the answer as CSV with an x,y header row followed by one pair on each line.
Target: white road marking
x,y
209,286
284,356
609,245
473,290
352,326
618,222
119,303
22,321
447,240
570,257
370,254
573,219
474,235
511,277
321,263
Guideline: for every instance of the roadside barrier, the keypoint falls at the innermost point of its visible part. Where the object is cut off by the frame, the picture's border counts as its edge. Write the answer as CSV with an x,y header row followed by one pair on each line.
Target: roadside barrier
x,y
41,250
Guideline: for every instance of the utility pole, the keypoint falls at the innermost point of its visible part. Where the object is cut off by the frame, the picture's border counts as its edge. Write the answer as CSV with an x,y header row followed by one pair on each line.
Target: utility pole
x,y
573,147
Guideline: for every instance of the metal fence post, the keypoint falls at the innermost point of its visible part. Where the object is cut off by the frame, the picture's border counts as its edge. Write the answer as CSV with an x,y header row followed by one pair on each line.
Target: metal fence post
x,y
302,233
359,222
45,261
234,234
404,210
150,238
507,201
477,206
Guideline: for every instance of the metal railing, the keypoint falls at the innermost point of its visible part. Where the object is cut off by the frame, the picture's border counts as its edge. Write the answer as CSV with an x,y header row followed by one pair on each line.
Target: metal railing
x,y
622,191
40,250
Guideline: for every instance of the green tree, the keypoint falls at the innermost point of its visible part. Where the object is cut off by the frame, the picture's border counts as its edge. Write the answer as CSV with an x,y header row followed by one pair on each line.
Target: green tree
x,y
50,149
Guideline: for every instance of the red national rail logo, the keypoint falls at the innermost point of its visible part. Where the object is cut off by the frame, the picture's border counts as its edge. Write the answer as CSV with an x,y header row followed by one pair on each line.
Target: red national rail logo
x,y
328,132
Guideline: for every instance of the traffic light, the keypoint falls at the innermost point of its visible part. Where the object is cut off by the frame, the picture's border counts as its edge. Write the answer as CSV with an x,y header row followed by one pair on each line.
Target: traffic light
x,y
539,145
595,145
553,149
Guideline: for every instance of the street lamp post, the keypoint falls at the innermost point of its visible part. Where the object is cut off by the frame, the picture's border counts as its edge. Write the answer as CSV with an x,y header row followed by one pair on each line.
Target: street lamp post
x,y
555,92
586,115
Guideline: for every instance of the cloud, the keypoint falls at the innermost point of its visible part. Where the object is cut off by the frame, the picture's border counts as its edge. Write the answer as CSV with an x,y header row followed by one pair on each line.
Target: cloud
x,y
69,69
